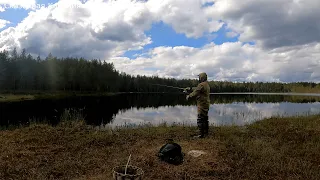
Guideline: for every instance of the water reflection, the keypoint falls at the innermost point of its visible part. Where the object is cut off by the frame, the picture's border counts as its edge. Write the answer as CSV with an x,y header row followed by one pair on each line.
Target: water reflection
x,y
219,114
135,109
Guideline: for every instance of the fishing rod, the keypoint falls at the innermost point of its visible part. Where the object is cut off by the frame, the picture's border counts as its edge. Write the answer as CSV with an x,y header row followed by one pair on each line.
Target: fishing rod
x,y
168,86
185,90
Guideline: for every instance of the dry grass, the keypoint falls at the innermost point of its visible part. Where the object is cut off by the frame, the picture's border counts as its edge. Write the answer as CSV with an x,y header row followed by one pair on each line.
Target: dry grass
x,y
286,148
15,97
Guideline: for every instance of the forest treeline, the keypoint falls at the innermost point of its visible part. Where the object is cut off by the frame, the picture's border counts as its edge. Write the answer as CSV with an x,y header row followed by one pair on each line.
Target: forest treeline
x,y
22,72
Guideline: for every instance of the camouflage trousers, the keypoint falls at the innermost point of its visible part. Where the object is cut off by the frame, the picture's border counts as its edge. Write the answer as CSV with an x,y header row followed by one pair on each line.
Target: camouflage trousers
x,y
203,124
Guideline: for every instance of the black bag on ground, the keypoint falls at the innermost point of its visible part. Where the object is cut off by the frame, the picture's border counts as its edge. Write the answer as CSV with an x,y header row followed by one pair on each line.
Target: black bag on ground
x,y
171,153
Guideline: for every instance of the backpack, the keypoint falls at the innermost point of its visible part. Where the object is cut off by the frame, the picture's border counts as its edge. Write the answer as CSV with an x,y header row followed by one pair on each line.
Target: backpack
x,y
171,153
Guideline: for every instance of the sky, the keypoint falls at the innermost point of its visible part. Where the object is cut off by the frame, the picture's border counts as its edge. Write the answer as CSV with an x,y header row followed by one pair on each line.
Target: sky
x,y
230,40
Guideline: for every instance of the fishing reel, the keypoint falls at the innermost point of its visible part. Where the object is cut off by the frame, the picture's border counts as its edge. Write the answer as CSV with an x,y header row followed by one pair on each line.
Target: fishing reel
x,y
187,90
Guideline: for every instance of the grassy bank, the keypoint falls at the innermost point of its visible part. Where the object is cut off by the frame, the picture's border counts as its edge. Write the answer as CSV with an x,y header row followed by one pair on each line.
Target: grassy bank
x,y
15,97
276,148
21,96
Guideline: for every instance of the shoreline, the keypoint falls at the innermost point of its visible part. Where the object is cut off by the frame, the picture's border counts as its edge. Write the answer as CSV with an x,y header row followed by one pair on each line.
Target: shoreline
x,y
275,148
21,96
16,97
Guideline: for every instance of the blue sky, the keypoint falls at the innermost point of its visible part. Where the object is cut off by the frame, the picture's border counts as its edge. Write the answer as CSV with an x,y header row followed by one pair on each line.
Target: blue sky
x,y
175,38
164,35
14,16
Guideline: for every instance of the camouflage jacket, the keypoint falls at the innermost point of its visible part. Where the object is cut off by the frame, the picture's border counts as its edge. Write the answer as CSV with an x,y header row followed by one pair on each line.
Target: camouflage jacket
x,y
202,94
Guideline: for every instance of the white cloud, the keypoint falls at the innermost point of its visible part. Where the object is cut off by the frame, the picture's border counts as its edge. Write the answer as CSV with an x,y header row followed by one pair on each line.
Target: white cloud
x,y
3,23
229,61
94,30
99,29
231,34
271,24
185,16
16,4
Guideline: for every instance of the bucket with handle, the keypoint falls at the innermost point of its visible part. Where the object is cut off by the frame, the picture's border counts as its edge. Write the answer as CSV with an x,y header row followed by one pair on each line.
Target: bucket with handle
x,y
127,172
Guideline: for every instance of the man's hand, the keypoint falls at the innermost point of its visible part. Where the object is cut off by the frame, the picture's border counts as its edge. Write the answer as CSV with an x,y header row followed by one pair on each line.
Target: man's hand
x,y
187,98
185,90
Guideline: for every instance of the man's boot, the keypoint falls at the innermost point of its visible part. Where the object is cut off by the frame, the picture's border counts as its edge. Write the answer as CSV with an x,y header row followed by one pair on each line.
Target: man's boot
x,y
201,127
206,126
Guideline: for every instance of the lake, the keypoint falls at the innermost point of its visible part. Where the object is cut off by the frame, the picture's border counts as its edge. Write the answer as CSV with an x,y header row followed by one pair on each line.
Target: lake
x,y
134,109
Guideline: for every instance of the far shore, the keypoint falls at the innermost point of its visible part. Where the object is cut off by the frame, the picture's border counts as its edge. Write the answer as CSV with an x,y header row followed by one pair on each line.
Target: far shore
x,y
21,96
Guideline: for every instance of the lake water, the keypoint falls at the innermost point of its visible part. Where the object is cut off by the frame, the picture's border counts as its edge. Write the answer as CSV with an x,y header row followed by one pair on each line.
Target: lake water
x,y
135,109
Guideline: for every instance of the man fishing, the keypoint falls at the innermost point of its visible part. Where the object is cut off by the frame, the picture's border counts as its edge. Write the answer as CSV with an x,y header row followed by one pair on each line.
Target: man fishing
x,y
202,94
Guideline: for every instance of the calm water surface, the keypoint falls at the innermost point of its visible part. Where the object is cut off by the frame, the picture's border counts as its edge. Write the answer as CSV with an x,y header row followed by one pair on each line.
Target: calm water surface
x,y
219,114
136,109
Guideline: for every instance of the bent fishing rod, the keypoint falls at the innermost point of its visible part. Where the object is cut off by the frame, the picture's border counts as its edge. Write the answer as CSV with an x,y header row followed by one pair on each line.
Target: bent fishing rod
x,y
168,86
185,90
